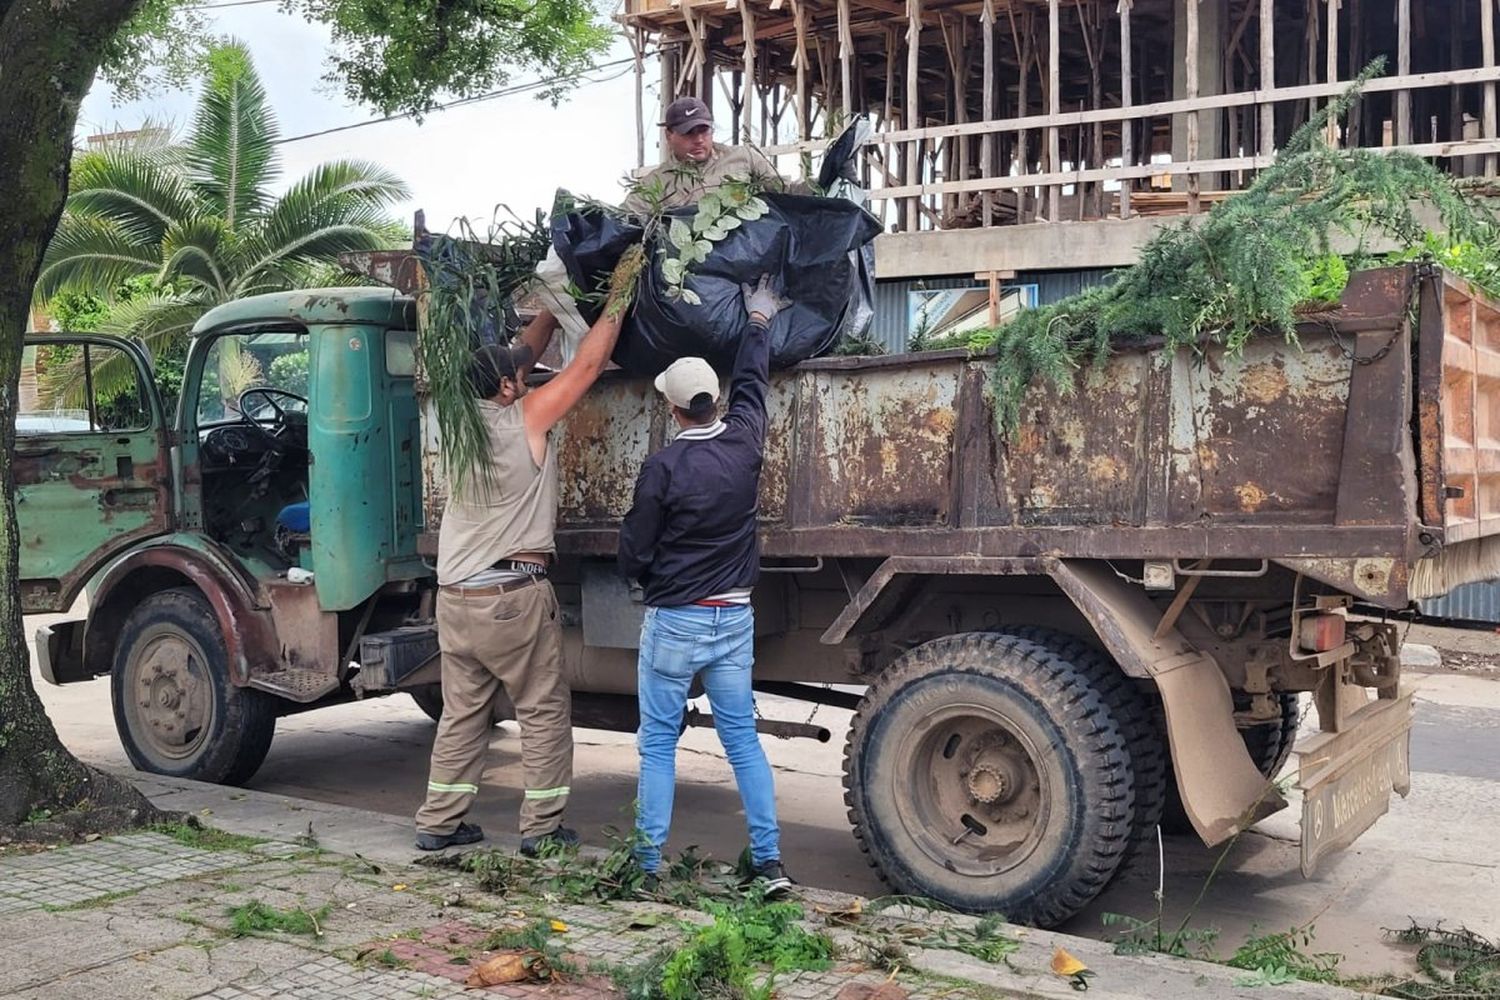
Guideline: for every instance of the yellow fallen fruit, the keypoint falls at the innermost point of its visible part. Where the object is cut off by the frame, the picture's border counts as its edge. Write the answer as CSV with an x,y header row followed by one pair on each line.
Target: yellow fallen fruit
x,y
511,967
1066,965
558,927
399,887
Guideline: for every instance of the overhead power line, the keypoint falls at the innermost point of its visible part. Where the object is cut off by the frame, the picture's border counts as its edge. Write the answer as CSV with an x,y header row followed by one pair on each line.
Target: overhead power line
x,y
519,88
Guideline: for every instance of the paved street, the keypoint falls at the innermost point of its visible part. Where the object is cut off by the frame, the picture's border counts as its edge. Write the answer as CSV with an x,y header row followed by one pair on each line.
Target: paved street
x,y
1435,857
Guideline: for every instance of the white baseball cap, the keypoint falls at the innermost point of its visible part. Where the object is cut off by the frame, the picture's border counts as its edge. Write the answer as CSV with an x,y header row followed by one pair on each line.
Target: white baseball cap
x,y
687,378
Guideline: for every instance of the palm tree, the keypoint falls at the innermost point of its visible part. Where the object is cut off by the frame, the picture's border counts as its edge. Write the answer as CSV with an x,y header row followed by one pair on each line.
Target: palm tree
x,y
200,217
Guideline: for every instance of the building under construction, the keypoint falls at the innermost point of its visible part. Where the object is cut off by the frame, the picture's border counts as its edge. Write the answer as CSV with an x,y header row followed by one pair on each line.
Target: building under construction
x,y
1032,144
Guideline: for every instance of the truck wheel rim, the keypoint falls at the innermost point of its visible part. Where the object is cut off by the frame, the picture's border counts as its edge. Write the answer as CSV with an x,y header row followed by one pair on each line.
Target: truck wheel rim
x,y
979,793
170,695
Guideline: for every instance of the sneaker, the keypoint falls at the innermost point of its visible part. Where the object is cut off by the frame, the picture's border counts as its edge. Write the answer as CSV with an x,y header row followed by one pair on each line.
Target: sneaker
x,y
467,833
650,885
772,878
561,837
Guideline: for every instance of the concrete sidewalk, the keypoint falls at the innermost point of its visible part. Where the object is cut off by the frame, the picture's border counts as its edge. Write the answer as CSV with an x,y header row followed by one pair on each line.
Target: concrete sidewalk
x,y
148,914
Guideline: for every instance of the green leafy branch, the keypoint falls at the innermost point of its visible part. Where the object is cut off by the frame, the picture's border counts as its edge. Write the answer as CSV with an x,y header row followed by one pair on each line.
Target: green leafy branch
x,y
1248,266
689,243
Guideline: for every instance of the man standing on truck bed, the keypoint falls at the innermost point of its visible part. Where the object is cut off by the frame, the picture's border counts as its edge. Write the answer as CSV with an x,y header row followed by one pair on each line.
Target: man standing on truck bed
x,y
695,165
690,540
496,612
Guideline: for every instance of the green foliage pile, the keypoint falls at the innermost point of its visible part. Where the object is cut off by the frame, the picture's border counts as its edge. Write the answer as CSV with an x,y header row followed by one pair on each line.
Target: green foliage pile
x,y
725,958
255,917
1283,957
1456,965
1254,263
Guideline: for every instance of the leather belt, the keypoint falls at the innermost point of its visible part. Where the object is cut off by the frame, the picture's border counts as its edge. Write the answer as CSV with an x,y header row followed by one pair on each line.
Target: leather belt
x,y
494,589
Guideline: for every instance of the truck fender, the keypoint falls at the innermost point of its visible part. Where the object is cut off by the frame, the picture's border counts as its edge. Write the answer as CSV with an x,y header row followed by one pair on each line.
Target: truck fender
x,y
249,636
1222,791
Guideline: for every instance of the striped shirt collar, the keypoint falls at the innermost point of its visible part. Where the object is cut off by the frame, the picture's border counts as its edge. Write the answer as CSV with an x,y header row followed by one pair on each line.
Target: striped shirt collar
x,y
712,430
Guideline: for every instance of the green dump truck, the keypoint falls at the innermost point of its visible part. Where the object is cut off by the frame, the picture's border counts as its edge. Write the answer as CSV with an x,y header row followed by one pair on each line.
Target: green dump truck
x,y
1049,638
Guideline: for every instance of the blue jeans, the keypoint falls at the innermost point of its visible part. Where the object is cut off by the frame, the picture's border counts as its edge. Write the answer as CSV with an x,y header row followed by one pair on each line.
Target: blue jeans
x,y
677,644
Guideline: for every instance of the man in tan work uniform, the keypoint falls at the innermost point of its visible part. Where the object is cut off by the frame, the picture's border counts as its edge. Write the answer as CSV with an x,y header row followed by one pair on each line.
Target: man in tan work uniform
x,y
496,612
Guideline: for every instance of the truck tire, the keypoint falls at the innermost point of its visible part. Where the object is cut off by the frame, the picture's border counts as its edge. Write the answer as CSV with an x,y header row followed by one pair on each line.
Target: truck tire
x,y
985,772
176,709
1270,746
1132,708
429,698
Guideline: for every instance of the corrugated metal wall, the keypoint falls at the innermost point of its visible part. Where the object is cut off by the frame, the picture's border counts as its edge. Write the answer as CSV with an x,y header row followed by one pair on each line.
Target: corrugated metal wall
x,y
892,305
1479,602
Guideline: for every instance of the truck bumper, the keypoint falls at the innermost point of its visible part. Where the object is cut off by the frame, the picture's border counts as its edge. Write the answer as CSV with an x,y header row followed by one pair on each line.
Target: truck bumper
x,y
59,652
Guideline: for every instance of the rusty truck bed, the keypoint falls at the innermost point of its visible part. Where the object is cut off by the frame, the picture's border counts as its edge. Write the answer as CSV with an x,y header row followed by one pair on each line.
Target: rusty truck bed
x,y
1351,456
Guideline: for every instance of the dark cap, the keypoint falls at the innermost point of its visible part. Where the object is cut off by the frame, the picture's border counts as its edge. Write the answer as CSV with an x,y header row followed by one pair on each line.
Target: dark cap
x,y
686,114
491,363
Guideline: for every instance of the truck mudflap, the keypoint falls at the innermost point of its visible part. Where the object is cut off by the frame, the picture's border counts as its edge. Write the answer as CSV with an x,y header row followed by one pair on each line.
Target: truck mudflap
x,y
1346,777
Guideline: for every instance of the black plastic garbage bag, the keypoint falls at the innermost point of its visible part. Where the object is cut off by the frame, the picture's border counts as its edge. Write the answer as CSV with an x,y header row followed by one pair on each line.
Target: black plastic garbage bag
x,y
816,248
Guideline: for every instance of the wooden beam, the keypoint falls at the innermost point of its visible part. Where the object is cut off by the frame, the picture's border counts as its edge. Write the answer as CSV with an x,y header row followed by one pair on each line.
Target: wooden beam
x,y
637,39
1487,31
1054,101
1331,57
1193,123
1127,134
913,109
1403,68
1267,75
987,106
747,60
1467,147
846,60
799,19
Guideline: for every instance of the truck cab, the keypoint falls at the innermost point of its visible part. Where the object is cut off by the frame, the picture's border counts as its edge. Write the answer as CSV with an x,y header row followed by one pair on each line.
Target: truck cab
x,y
242,555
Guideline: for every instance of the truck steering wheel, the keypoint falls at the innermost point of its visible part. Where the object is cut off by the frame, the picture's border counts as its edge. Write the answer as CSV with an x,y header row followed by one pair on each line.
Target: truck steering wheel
x,y
275,434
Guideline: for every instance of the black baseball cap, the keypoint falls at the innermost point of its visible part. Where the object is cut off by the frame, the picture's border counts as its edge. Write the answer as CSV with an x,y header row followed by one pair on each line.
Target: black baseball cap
x,y
686,114
489,364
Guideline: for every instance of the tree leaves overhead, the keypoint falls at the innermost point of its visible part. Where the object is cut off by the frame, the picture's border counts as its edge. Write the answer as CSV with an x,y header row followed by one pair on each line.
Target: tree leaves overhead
x,y
408,57
199,219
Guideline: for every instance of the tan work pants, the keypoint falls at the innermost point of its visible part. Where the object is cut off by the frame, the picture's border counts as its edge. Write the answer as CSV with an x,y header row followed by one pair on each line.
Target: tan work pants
x,y
514,640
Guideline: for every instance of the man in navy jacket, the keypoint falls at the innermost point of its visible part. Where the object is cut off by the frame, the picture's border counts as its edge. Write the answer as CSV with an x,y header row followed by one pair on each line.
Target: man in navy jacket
x,y
690,541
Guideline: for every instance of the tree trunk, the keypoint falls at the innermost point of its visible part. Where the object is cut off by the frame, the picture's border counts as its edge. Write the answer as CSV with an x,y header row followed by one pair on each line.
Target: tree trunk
x,y
49,53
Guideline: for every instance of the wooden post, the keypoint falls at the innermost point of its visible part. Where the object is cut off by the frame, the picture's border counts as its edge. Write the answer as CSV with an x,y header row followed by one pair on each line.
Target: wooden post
x,y
1487,29
1054,102
1403,68
1192,95
887,162
799,20
747,26
987,144
637,40
1267,76
913,118
1127,98
846,60
993,279
1332,58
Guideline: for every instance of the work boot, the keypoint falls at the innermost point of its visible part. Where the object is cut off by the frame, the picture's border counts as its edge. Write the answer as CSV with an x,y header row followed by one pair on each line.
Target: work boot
x,y
771,878
467,833
560,838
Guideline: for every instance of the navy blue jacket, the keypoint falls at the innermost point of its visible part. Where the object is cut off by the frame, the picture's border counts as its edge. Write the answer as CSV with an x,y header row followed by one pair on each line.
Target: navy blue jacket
x,y
691,532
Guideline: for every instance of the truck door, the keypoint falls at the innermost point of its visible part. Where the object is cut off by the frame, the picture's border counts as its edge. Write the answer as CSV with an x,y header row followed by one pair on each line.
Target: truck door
x,y
92,466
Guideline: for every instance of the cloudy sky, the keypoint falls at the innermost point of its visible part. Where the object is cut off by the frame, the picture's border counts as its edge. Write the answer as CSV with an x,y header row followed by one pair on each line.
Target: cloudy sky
x,y
513,151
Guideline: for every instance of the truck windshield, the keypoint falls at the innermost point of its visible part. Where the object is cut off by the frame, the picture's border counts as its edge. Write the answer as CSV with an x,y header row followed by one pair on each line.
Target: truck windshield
x,y
236,362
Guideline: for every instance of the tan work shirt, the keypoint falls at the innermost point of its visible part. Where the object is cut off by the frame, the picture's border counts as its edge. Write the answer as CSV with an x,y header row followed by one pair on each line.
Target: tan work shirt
x,y
513,512
686,183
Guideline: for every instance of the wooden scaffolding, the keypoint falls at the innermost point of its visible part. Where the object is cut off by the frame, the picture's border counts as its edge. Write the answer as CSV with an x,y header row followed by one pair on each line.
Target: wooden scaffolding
x,y
1020,113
